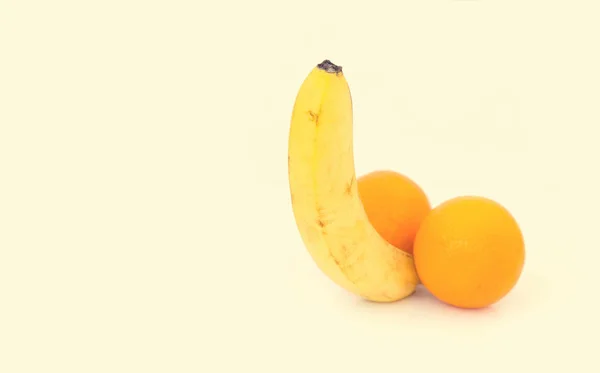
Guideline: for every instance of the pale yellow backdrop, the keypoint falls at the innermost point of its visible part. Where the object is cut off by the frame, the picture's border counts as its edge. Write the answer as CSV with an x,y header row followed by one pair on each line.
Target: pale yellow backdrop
x,y
145,224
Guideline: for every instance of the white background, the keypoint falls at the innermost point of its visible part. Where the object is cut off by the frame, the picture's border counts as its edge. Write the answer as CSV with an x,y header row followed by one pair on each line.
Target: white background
x,y
145,223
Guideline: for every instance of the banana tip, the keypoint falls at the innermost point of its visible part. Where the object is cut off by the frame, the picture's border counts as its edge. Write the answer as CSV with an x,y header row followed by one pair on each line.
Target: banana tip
x,y
330,67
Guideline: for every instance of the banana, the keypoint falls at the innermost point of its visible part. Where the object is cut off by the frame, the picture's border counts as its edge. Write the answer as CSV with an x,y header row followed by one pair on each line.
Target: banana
x,y
326,205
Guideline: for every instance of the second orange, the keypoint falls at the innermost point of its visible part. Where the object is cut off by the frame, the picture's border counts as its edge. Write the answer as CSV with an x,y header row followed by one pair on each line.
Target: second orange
x,y
395,205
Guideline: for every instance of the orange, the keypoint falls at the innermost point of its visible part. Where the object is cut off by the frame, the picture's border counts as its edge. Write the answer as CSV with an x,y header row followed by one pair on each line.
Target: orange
x,y
469,252
395,206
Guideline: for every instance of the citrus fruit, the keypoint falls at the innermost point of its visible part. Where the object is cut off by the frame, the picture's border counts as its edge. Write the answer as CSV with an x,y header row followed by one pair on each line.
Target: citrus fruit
x,y
395,206
469,252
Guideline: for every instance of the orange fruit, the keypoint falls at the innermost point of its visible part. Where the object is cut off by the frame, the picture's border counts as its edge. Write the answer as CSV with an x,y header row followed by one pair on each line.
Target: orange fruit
x,y
469,252
395,206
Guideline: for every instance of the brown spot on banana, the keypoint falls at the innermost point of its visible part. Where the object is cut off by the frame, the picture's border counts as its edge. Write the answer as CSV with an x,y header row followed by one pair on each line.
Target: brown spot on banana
x,y
314,117
349,185
322,220
320,212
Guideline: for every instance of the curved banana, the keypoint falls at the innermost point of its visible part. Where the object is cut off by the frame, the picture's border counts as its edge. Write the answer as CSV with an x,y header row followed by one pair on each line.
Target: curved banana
x,y
325,200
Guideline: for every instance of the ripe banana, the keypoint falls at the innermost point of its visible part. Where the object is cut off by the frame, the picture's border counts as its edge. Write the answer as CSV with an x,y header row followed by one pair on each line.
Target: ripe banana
x,y
326,205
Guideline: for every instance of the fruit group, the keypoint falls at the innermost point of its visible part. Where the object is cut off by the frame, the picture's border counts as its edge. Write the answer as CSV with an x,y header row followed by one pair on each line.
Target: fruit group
x,y
469,252
395,205
326,205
